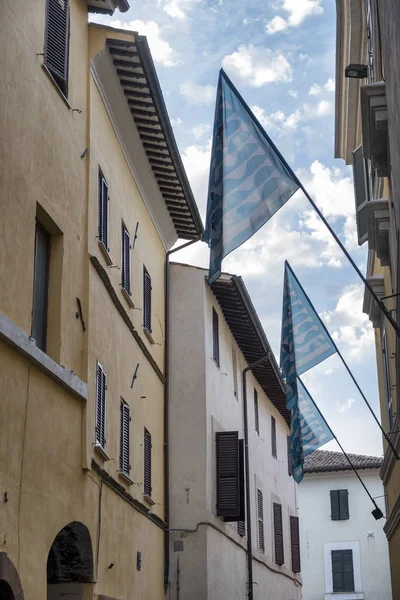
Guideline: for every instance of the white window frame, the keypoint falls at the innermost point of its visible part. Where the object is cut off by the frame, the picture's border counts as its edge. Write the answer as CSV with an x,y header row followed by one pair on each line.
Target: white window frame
x,y
329,593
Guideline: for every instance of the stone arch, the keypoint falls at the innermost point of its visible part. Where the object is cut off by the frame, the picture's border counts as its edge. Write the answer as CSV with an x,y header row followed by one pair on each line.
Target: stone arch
x,y
10,583
70,558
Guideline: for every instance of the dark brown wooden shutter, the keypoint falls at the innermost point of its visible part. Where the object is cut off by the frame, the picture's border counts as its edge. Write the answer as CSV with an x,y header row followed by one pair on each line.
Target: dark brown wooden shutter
x,y
260,518
126,260
289,458
256,415
295,544
215,337
147,463
56,47
242,516
342,570
278,534
228,475
101,383
273,437
146,300
124,438
103,210
344,504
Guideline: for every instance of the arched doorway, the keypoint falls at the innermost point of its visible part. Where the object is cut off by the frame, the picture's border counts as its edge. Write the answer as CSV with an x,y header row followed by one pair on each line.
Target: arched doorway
x,y
69,563
10,584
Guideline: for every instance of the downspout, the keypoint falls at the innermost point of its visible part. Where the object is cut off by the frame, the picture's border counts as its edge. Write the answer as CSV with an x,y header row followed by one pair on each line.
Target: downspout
x,y
166,409
247,481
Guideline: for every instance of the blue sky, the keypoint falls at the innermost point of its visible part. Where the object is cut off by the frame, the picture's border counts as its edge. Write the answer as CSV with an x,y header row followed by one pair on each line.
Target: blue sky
x,y
281,57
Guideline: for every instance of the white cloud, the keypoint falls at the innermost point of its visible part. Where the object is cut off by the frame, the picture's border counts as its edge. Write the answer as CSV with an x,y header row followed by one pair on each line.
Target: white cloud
x,y
196,160
175,122
197,94
178,9
258,65
161,51
316,89
344,406
293,93
298,11
324,108
278,122
199,130
330,85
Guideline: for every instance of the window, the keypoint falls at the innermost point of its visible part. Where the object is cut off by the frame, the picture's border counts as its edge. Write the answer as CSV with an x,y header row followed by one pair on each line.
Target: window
x,y
241,528
215,337
339,505
56,46
289,458
256,416
361,193
147,463
40,286
241,522
342,570
273,437
295,544
146,300
103,211
234,373
278,534
101,387
387,380
126,260
260,518
230,475
125,417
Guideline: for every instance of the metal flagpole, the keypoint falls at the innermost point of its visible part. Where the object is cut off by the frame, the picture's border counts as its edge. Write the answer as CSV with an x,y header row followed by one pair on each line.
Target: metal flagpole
x,y
350,373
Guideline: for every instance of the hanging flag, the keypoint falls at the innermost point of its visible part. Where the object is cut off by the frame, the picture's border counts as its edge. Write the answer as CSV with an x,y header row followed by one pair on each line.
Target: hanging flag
x,y
305,341
308,430
249,178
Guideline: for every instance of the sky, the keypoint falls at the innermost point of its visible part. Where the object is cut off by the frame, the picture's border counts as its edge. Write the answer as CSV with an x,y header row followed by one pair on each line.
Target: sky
x,y
281,56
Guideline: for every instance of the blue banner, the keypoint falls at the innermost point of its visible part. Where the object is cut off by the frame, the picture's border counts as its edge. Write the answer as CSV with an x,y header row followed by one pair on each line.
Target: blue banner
x,y
249,179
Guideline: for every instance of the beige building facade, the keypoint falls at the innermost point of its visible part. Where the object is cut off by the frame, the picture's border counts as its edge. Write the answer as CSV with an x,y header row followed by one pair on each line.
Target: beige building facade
x,y
94,195
367,134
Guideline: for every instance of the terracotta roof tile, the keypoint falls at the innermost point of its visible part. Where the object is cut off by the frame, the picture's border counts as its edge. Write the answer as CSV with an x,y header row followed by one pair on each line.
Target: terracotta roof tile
x,y
324,460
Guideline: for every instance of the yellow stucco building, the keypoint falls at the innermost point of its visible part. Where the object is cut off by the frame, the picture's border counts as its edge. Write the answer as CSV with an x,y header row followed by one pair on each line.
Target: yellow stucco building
x,y
367,135
93,196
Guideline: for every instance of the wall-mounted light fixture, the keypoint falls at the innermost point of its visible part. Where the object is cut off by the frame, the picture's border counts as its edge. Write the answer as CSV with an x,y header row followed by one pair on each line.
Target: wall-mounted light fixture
x,y
356,71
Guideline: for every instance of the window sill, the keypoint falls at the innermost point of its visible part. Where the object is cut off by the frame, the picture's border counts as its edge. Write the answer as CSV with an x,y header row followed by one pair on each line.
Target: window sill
x,y
128,297
105,253
125,477
59,90
344,596
148,499
147,333
100,450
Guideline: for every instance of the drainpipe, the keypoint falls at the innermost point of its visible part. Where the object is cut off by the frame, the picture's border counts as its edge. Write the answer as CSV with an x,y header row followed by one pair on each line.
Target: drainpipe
x,y
166,408
247,463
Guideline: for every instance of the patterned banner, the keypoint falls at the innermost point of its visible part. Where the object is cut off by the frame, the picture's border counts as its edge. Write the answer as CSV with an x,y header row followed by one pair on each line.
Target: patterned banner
x,y
249,179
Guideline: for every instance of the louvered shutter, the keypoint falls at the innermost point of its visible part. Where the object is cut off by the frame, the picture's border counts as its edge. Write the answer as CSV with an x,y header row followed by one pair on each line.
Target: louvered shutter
x,y
241,528
256,415
295,544
342,570
215,337
147,463
344,504
241,515
289,458
278,534
348,572
126,260
103,210
361,193
335,511
273,437
101,384
146,300
56,48
228,476
124,438
260,518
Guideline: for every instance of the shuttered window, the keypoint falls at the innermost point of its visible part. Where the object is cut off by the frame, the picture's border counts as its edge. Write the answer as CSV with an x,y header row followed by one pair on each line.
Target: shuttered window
x,y
56,46
228,475
40,286
361,193
256,415
215,332
260,519
240,518
295,544
101,387
103,210
241,528
146,300
289,458
342,570
278,534
234,373
126,259
125,417
147,463
339,505
273,437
